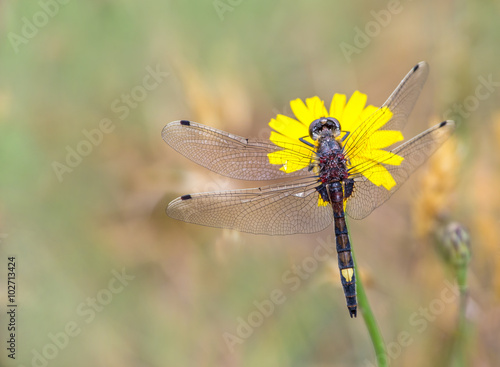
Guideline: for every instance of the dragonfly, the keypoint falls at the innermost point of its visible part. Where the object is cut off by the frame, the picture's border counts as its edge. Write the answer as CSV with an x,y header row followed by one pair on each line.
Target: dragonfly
x,y
309,199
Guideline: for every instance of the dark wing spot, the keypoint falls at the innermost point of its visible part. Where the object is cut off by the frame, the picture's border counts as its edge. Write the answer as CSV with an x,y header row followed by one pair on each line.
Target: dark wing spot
x,y
185,122
443,123
415,67
186,197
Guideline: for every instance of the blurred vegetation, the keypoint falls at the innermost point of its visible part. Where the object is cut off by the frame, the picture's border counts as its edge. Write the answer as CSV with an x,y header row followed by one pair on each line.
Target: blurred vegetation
x,y
233,71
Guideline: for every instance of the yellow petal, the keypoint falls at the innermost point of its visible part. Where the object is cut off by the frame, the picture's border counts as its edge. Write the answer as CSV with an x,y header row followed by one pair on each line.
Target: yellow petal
x,y
290,144
361,137
337,106
352,111
317,108
302,113
293,156
368,111
384,138
380,176
281,140
376,119
288,162
289,127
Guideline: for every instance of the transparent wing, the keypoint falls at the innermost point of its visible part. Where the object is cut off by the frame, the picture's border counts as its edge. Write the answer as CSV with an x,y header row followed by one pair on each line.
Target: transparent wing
x,y
272,210
404,97
231,155
367,196
400,103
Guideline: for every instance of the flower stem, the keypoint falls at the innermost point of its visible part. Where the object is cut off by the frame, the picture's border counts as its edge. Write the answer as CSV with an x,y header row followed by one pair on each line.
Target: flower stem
x,y
462,333
454,247
369,318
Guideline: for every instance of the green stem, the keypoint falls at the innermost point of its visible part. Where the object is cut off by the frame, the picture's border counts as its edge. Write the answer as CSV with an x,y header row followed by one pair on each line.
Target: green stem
x,y
369,318
453,242
461,336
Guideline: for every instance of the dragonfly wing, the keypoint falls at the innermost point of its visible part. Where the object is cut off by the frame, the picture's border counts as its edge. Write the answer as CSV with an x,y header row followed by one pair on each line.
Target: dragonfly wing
x,y
399,104
367,196
404,97
272,210
232,155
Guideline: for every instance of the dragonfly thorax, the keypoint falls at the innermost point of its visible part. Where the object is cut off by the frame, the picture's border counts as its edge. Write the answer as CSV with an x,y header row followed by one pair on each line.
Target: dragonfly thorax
x,y
324,127
331,160
332,166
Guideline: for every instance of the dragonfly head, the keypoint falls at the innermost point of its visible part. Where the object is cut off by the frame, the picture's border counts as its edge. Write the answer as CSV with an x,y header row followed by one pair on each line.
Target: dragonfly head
x,y
325,126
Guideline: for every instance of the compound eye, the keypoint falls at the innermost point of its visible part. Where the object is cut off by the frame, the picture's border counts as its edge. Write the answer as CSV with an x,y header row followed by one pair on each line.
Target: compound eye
x,y
324,126
315,129
332,124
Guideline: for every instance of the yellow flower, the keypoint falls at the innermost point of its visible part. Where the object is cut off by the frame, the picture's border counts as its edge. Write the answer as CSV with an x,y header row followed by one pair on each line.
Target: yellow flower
x,y
363,148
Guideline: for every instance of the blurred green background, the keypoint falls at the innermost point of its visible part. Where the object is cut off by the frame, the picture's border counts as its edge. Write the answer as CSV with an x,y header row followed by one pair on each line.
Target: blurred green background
x,y
73,223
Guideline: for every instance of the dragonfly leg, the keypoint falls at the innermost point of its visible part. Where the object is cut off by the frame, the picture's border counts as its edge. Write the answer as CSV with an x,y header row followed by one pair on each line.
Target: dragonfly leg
x,y
345,136
306,142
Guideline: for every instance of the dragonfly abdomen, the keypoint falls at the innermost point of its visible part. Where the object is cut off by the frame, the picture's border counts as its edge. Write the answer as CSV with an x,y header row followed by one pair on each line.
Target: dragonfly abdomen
x,y
346,264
